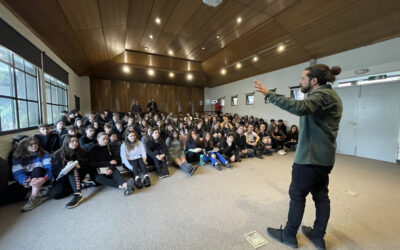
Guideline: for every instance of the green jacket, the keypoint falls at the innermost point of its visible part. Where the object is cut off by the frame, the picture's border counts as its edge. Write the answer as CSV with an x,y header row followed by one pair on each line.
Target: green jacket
x,y
320,114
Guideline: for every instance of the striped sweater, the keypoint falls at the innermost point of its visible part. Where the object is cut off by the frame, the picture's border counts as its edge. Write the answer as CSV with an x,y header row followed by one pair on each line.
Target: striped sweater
x,y
22,172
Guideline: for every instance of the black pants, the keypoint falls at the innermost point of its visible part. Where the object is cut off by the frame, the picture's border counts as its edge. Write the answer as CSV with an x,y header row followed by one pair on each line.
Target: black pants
x,y
192,156
71,183
135,166
113,180
306,179
158,165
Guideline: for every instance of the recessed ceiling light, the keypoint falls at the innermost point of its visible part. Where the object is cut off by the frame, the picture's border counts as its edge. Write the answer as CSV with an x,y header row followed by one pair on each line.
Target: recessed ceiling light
x,y
255,58
238,65
171,74
239,20
189,76
223,71
218,36
151,36
281,48
203,48
126,69
170,52
158,20
150,72
145,48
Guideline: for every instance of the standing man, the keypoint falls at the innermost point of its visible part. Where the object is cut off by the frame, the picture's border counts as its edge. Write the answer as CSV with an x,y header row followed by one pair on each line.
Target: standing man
x,y
152,106
136,108
320,114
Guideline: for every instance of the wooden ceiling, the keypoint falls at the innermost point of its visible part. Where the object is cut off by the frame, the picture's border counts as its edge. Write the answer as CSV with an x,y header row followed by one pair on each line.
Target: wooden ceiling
x,y
98,37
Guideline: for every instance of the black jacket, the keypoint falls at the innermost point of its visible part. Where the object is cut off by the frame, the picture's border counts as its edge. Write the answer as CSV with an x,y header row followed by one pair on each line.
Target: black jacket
x,y
100,156
87,143
50,143
154,148
240,141
58,163
228,150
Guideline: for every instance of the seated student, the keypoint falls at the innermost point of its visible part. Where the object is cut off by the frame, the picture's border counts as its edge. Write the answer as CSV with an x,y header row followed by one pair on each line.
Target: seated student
x,y
32,168
252,140
189,124
15,141
271,126
72,182
49,142
207,124
199,130
292,138
59,129
107,129
278,140
146,136
132,154
240,140
118,129
115,147
211,155
226,128
216,134
183,132
265,143
228,148
88,141
193,142
282,127
71,131
176,153
101,158
79,126
98,128
157,150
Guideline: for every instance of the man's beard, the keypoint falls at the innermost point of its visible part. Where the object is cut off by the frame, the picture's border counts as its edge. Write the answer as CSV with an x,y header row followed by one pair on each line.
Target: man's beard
x,y
304,89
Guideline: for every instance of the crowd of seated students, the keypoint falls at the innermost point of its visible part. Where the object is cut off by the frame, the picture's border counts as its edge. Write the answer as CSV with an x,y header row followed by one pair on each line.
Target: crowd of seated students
x,y
98,143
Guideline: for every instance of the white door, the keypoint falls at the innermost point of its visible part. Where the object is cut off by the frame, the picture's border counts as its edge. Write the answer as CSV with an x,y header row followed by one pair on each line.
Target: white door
x,y
346,139
378,122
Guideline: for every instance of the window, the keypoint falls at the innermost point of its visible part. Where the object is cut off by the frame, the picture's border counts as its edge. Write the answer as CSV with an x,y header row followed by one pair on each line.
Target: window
x,y
19,92
234,100
295,93
250,98
222,100
56,98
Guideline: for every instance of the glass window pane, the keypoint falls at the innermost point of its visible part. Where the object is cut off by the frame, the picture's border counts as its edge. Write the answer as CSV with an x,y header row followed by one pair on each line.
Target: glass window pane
x,y
18,62
55,113
48,93
6,80
53,81
20,84
33,111
5,54
47,78
30,68
8,114
23,114
32,87
49,114
54,96
60,96
66,97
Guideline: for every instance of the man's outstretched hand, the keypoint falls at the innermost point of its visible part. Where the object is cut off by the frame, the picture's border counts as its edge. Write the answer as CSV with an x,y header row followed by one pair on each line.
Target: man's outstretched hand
x,y
260,88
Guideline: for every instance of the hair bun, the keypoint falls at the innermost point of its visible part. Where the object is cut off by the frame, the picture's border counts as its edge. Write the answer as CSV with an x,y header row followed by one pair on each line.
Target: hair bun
x,y
336,70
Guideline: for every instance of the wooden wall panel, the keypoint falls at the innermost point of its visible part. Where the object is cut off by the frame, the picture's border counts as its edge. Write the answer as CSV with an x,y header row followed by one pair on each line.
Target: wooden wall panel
x,y
170,99
185,99
101,95
155,91
138,92
197,96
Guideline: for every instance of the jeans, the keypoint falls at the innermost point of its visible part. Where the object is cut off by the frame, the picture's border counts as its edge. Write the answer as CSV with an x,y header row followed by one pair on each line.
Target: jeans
x,y
208,158
306,179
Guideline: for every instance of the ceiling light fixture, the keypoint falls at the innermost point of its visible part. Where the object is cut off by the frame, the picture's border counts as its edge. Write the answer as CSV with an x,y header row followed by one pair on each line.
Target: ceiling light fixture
x,y
189,76
158,20
171,74
145,48
238,20
150,72
203,48
151,36
126,69
170,52
218,36
281,48
238,65
255,58
223,71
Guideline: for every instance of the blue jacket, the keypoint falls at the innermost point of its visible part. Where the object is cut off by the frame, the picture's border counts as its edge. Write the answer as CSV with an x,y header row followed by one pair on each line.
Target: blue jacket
x,y
22,172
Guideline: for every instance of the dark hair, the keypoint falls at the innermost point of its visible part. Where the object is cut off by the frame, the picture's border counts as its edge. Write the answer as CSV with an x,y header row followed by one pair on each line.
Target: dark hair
x,y
44,125
323,73
230,134
22,150
90,127
71,127
68,154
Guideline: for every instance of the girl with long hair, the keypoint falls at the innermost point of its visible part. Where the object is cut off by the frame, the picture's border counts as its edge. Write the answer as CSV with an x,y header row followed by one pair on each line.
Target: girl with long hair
x,y
176,153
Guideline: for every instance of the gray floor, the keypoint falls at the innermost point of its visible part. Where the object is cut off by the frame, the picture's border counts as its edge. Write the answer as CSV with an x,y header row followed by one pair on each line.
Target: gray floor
x,y
213,210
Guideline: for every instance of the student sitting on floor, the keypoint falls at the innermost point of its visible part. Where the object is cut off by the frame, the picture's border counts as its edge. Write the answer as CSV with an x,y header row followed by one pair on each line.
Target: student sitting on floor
x,y
211,155
71,131
132,154
193,145
102,166
32,168
292,138
118,129
228,148
177,154
59,129
240,140
80,127
265,142
70,183
88,141
278,140
252,140
115,147
216,134
157,150
48,141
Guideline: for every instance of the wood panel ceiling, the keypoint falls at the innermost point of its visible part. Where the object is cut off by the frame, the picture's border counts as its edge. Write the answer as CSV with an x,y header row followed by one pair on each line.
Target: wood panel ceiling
x,y
98,37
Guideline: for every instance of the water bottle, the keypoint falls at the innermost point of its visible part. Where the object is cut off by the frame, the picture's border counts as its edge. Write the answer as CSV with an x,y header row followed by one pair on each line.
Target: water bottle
x,y
201,160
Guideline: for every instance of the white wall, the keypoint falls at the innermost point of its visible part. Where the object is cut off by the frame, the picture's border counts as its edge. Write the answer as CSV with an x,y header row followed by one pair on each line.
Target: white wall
x,y
378,58
79,86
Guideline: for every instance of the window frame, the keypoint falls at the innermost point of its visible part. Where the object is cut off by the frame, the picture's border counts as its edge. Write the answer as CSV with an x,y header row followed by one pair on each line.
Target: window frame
x,y
54,84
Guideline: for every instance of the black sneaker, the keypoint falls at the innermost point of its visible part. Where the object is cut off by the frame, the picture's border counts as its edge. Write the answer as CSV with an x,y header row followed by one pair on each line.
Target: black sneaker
x,y
76,199
319,243
260,156
147,182
228,165
138,183
88,184
239,159
279,235
217,166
